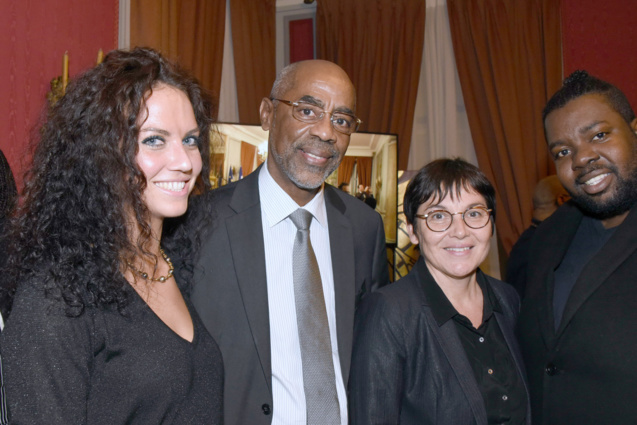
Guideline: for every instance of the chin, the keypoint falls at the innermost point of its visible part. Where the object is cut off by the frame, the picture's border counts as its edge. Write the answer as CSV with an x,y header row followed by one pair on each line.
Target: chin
x,y
172,212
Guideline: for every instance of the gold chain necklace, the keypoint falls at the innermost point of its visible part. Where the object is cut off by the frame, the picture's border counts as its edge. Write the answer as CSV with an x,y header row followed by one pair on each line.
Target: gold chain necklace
x,y
162,279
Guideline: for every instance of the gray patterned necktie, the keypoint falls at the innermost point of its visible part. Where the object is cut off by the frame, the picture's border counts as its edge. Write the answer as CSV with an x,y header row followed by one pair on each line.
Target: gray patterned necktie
x,y
314,332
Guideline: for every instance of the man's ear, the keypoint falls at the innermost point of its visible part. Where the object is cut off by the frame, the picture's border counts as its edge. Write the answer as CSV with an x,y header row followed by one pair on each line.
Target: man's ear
x,y
633,125
266,113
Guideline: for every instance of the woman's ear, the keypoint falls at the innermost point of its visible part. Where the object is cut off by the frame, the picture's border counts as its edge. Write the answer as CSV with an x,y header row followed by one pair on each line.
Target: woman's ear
x,y
412,235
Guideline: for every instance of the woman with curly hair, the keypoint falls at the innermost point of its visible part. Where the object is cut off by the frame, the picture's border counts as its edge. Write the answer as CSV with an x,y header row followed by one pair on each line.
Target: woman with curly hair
x,y
100,332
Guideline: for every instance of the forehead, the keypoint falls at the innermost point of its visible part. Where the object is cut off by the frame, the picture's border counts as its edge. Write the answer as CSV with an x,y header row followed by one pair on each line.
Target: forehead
x,y
327,84
464,199
579,114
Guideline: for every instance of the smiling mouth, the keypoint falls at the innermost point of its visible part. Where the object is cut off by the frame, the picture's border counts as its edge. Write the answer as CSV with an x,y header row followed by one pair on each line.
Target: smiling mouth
x,y
466,248
596,179
171,186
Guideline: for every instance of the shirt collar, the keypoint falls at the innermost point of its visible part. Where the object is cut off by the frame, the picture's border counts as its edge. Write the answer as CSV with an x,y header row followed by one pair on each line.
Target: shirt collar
x,y
277,205
442,308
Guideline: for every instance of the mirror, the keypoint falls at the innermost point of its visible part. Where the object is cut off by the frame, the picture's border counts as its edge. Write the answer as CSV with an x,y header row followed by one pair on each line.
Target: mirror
x,y
370,161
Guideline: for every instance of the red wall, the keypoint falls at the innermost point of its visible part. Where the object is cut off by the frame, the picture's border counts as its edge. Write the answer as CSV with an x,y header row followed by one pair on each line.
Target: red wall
x,y
34,34
601,37
597,36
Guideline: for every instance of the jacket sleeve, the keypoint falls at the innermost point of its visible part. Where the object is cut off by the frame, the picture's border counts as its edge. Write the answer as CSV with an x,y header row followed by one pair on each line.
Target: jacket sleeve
x,y
378,361
47,359
380,271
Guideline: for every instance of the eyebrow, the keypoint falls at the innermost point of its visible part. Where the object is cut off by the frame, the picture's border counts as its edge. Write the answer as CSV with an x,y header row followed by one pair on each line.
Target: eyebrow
x,y
581,131
166,133
440,207
590,126
317,102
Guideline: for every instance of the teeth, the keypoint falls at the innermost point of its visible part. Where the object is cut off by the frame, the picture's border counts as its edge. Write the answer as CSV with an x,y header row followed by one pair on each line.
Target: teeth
x,y
314,156
172,186
458,249
596,180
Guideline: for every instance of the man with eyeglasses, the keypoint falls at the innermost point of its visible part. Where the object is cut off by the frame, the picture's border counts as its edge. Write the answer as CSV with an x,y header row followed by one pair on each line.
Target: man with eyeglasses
x,y
288,258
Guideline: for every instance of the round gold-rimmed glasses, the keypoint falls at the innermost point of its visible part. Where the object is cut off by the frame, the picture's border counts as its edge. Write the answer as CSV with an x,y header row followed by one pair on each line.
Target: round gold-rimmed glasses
x,y
440,220
342,122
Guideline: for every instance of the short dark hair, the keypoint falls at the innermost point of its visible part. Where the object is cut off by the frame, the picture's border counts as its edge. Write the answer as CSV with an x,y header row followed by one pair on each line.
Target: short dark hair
x,y
442,177
342,185
580,83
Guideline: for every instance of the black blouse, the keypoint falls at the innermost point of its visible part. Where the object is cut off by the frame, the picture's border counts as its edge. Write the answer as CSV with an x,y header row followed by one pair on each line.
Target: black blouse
x,y
498,379
105,368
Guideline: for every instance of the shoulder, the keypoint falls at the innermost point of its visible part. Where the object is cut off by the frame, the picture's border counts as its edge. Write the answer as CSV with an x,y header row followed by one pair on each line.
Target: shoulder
x,y
400,297
567,214
38,316
356,210
506,294
215,198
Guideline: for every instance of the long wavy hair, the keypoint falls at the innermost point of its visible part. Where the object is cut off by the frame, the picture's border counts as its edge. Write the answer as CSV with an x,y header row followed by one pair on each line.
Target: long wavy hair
x,y
72,232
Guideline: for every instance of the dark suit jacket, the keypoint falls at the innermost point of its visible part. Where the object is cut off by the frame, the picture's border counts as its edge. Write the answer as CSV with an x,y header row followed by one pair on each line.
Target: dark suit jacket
x,y
230,291
406,369
586,371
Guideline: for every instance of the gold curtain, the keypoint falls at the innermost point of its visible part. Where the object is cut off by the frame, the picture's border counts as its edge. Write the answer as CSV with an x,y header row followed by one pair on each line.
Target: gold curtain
x,y
379,43
345,169
189,32
253,40
508,54
248,153
364,170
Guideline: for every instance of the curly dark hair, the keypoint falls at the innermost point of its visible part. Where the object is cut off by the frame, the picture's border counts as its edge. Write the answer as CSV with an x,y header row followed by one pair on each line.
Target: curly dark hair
x,y
71,233
444,177
580,83
8,189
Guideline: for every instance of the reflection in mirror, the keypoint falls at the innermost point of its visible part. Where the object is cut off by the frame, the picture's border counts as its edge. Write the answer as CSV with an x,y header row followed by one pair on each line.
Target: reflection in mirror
x,y
370,164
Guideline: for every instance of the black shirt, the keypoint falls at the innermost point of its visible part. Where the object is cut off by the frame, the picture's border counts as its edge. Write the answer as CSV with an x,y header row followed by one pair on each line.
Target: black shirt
x,y
495,371
591,236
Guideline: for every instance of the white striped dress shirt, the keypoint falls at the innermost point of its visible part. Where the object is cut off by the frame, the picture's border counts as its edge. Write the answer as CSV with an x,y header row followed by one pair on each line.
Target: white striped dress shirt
x,y
278,237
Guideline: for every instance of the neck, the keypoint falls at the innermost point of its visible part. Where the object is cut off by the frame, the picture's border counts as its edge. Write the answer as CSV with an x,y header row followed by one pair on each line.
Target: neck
x,y
456,289
152,244
609,223
299,195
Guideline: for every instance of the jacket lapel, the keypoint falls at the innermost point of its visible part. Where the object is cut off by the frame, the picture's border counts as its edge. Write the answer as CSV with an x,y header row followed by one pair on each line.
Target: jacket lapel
x,y
245,233
601,266
549,249
343,266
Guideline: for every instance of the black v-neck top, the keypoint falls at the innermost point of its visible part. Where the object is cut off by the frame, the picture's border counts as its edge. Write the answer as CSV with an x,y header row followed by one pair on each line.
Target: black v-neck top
x,y
105,368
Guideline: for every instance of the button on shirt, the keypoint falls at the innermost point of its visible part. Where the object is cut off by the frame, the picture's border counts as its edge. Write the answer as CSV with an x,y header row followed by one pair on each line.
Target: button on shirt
x,y
497,376
278,236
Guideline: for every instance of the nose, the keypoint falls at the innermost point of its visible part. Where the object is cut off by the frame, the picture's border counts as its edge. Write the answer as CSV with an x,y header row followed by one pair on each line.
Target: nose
x,y
323,129
180,159
584,155
458,227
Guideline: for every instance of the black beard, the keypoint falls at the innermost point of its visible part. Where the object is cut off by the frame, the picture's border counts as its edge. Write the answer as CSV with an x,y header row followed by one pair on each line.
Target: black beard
x,y
623,199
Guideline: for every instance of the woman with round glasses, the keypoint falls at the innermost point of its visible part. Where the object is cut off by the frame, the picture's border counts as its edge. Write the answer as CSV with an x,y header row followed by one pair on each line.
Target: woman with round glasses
x,y
438,346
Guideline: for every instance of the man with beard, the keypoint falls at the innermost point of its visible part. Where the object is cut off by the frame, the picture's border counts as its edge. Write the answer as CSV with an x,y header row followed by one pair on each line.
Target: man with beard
x,y
287,354
578,320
